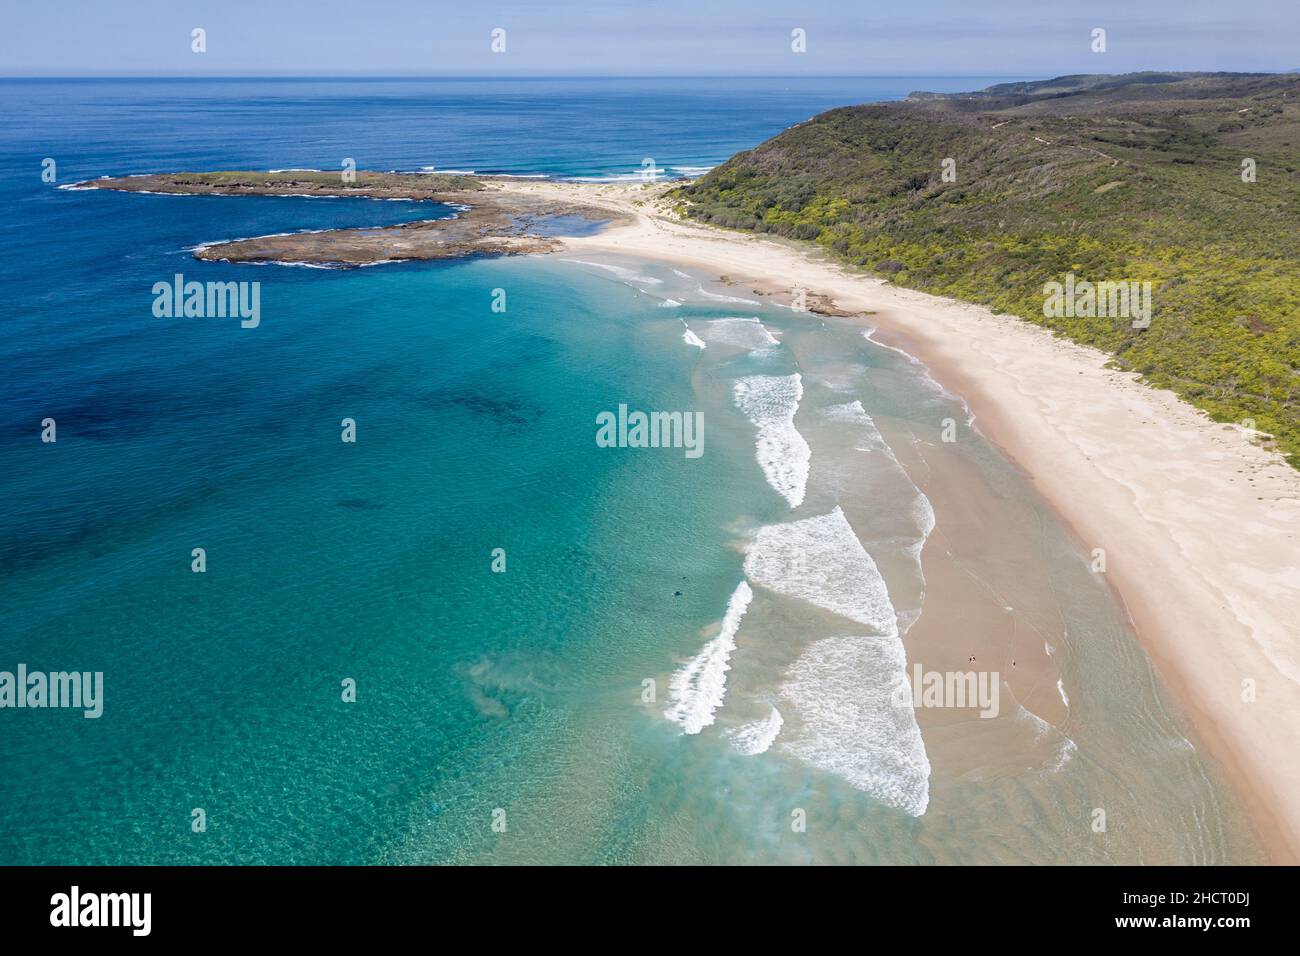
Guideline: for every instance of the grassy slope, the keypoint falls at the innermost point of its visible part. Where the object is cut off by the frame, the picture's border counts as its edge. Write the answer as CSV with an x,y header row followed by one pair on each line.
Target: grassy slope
x,y
1121,178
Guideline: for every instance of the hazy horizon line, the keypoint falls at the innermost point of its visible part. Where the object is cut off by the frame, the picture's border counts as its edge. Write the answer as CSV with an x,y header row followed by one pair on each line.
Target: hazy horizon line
x,y
505,76
597,76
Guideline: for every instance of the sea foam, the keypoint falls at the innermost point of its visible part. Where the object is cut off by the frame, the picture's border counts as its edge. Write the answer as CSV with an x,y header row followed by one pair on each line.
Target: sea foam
x,y
929,380
629,276
870,440
697,689
756,737
770,402
725,298
745,333
821,561
846,692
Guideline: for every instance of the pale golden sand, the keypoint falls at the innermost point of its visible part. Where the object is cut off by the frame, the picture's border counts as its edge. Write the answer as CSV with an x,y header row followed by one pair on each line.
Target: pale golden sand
x,y
1199,525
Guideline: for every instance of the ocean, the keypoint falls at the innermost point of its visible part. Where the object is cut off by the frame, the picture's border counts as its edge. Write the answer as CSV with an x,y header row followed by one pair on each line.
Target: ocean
x,y
477,633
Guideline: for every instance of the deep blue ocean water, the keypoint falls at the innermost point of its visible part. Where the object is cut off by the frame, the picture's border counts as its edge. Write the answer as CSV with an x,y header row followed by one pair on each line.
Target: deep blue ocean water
x,y
370,561
561,127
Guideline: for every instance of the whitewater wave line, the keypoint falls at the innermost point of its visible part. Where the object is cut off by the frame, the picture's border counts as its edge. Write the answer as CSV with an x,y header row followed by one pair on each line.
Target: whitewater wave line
x,y
770,402
841,688
697,690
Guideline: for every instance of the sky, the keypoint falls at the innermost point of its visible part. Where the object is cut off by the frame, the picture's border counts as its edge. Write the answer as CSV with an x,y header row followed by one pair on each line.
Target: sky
x,y
643,37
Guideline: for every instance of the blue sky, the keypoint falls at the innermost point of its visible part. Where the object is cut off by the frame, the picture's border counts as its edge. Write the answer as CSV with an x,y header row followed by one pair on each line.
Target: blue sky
x,y
645,37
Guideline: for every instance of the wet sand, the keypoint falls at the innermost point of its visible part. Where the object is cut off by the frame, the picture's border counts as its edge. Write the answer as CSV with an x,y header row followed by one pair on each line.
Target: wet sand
x,y
1199,525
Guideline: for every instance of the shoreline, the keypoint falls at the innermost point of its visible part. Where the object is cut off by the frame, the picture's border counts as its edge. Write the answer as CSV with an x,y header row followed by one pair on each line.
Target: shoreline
x,y
484,222
1127,467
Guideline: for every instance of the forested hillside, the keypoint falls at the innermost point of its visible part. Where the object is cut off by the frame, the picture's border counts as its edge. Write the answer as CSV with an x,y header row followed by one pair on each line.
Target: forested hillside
x,y
1131,178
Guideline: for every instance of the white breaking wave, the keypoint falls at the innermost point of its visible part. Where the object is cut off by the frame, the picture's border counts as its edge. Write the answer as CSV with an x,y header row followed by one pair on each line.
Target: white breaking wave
x,y
756,737
154,192
646,174
770,402
821,561
628,275
1064,754
856,718
697,689
669,304
922,512
1060,686
690,338
745,333
306,265
926,377
724,298
851,412
270,235
1065,748
850,694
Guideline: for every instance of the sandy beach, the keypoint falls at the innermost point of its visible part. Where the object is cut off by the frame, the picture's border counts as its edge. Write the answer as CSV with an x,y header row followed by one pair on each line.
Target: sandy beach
x,y
1198,524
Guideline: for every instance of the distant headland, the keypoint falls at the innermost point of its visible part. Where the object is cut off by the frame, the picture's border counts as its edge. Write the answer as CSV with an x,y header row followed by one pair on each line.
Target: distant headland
x,y
487,221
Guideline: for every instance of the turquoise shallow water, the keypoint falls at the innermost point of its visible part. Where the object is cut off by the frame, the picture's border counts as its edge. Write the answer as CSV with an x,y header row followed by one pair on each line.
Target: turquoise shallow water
x,y
328,560
521,691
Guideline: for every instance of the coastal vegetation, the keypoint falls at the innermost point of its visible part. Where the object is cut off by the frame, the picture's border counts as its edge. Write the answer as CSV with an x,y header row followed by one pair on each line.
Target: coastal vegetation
x,y
1188,181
